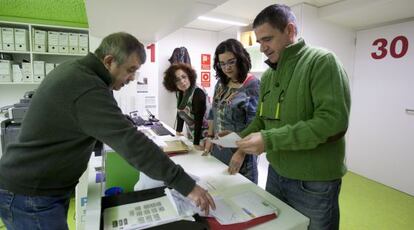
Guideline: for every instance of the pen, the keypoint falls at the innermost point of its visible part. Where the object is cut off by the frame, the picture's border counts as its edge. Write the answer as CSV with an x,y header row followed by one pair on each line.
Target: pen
x,y
249,213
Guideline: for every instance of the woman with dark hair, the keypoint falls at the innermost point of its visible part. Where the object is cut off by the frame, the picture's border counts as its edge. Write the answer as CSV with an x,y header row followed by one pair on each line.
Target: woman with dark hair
x,y
191,102
234,102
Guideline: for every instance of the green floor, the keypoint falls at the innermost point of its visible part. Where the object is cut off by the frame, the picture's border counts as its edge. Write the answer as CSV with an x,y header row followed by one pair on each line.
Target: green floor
x,y
365,205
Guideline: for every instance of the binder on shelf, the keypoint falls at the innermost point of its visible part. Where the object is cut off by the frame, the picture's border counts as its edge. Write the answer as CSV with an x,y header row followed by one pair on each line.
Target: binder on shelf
x,y
63,42
49,67
17,73
7,38
53,41
27,72
1,40
38,71
40,41
5,71
21,39
73,43
83,44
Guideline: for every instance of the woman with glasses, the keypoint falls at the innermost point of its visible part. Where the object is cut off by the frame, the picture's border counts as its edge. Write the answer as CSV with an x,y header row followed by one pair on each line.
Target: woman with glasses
x,y
191,102
234,103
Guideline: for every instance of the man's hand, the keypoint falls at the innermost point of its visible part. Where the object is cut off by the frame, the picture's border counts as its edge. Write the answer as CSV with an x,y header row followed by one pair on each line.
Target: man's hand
x,y
236,162
202,199
207,147
253,143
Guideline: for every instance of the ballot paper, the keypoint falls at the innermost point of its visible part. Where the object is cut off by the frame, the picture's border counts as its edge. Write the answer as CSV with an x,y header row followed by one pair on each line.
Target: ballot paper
x,y
228,141
242,207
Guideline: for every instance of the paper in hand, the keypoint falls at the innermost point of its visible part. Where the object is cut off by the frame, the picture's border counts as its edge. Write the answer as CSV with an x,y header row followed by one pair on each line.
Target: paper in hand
x,y
228,141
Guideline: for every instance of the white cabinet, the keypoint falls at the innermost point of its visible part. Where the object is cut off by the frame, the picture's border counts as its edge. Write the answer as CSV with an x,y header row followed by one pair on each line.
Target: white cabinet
x,y
29,51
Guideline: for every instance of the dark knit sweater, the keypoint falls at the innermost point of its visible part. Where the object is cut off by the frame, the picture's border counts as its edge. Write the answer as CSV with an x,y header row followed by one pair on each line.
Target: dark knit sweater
x,y
71,109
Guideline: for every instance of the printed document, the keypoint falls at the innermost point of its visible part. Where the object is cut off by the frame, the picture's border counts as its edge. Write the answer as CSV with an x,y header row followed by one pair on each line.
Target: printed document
x,y
228,141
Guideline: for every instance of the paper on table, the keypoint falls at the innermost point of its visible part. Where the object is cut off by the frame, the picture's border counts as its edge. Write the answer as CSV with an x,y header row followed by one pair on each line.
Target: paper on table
x,y
228,141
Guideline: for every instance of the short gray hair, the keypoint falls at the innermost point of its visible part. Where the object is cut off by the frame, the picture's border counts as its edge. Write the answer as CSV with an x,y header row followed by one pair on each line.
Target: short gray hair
x,y
121,45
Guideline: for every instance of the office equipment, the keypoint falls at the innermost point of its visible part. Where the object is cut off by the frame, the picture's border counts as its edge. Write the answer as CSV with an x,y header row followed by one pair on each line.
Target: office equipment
x,y
137,119
160,130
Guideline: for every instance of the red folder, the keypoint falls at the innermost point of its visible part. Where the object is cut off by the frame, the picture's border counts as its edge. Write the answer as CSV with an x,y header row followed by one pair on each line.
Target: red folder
x,y
215,225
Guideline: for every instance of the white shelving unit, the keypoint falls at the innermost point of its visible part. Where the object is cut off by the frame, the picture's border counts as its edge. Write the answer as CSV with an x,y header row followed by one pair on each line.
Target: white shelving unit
x,y
29,57
30,54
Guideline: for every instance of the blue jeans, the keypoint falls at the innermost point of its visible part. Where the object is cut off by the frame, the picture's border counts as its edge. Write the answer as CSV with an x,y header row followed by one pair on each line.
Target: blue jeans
x,y
33,212
249,166
318,200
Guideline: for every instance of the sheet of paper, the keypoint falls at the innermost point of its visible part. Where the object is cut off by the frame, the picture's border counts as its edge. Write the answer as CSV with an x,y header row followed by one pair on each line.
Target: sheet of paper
x,y
225,214
253,204
228,141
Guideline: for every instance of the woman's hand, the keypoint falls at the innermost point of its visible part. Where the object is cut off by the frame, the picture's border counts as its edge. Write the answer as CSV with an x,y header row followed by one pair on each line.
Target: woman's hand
x,y
236,162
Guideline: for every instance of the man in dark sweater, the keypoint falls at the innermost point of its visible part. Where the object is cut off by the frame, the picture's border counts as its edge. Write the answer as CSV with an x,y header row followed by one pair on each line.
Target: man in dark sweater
x,y
70,111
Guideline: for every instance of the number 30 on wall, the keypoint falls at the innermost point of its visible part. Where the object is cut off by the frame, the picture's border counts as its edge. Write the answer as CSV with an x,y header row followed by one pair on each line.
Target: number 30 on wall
x,y
382,48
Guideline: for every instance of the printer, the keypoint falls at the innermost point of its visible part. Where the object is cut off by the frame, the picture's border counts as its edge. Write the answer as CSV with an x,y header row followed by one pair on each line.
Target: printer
x,y
10,128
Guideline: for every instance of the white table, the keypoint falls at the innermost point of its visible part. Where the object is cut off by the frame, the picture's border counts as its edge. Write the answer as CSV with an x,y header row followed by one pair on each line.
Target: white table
x,y
213,170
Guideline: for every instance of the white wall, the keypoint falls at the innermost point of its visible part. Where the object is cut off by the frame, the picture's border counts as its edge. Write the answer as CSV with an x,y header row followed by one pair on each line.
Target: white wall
x,y
197,42
317,32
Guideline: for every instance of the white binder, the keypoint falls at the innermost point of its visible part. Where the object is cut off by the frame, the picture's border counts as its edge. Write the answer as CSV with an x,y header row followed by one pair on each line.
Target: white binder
x,y
21,39
27,72
5,71
83,44
53,41
8,38
40,41
63,42
38,71
73,43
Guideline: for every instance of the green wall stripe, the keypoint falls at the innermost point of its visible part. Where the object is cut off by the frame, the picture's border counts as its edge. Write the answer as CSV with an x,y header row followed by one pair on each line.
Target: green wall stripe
x,y
51,12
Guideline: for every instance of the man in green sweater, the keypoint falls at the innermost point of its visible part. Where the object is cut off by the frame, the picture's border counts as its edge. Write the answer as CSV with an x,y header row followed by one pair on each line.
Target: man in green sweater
x,y
301,120
71,110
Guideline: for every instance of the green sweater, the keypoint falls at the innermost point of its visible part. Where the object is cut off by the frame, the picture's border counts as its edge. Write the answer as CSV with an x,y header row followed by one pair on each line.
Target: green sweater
x,y
72,108
303,135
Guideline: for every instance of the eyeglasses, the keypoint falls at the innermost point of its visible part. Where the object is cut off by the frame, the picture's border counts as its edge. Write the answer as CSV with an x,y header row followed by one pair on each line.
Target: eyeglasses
x,y
277,110
230,63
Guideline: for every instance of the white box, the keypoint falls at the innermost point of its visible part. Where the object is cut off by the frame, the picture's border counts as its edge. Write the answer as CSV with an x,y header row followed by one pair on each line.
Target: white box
x,y
17,73
53,41
5,71
40,41
38,71
63,42
21,39
27,72
49,67
73,43
83,44
7,38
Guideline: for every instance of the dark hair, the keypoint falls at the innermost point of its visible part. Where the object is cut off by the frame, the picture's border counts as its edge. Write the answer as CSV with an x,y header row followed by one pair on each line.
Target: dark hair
x,y
169,76
278,16
121,45
243,59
